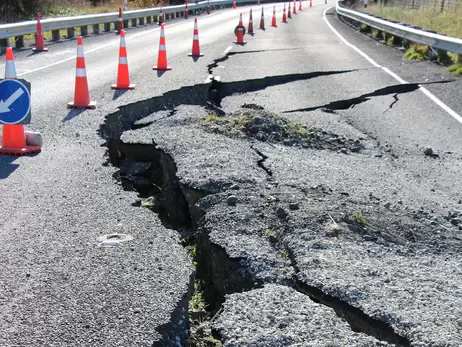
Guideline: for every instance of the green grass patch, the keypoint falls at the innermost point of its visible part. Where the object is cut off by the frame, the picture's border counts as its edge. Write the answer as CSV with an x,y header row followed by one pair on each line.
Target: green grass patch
x,y
430,17
197,302
417,52
456,69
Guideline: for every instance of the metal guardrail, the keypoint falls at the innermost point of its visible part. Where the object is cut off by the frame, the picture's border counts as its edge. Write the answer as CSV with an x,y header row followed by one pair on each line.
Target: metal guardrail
x,y
436,41
50,24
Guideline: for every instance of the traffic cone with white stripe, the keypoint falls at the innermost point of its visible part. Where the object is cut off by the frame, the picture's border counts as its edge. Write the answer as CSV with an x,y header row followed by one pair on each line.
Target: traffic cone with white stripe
x,y
234,4
186,11
39,42
300,7
262,20
273,21
162,57
250,27
120,23
81,94
196,51
13,139
289,12
123,77
284,17
160,19
240,32
295,8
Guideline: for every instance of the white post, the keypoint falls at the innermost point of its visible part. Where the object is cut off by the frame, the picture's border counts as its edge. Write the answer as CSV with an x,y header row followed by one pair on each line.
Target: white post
x,y
125,5
365,6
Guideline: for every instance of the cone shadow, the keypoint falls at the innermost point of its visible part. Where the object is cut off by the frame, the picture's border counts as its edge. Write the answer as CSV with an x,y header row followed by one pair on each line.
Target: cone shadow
x,y
6,166
160,73
118,93
73,113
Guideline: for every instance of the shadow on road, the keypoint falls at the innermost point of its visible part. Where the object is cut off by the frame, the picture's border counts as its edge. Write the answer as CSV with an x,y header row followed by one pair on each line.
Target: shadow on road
x,y
72,114
118,93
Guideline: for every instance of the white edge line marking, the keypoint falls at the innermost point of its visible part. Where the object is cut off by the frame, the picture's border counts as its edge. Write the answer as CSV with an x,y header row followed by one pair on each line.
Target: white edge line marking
x,y
227,50
424,90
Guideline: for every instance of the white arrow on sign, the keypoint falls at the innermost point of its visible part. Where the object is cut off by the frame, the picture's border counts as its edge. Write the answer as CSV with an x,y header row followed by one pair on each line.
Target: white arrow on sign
x,y
5,105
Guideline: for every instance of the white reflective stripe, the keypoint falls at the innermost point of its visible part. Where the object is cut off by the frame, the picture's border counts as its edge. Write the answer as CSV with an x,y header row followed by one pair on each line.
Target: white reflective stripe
x,y
161,47
120,19
123,60
81,73
10,69
195,37
79,51
122,42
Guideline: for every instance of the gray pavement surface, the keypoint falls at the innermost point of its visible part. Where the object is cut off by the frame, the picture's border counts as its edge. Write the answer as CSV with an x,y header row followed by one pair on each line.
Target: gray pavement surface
x,y
357,218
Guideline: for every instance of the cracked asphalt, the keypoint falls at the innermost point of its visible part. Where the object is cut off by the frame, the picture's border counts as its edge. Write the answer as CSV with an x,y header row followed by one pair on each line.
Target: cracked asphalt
x,y
357,245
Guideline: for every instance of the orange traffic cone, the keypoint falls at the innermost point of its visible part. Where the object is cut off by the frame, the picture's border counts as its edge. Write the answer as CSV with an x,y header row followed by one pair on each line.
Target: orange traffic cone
x,y
39,42
258,2
250,27
120,23
240,32
208,6
295,8
284,18
186,11
196,51
123,78
162,57
273,21
13,135
300,7
160,19
289,12
234,4
81,95
311,3
262,20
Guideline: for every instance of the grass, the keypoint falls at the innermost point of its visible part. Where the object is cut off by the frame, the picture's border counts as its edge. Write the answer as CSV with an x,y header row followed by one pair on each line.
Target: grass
x,y
360,219
197,302
430,18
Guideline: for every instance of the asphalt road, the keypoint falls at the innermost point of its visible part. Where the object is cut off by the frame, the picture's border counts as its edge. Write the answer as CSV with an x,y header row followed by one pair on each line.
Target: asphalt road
x,y
59,289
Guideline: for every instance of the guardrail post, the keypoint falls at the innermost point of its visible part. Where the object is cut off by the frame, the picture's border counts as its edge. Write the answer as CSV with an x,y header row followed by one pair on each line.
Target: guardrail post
x,y
134,22
107,27
148,20
95,28
3,45
365,6
70,33
141,20
167,16
125,23
19,41
55,35
84,30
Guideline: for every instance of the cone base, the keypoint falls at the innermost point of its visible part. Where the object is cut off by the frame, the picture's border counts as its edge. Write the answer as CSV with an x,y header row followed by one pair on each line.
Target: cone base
x,y
20,151
129,87
40,50
240,43
274,26
195,55
162,68
90,106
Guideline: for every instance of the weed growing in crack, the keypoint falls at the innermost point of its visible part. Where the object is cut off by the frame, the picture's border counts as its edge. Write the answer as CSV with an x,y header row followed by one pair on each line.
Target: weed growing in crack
x,y
149,202
360,219
417,52
283,253
212,117
197,302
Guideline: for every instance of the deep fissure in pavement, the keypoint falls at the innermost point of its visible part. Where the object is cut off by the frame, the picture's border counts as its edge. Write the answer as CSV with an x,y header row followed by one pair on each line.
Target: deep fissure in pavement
x,y
395,90
152,172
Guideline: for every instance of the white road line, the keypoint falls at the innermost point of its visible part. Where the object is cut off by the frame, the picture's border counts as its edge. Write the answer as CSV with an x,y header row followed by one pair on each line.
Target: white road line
x,y
227,50
127,38
424,90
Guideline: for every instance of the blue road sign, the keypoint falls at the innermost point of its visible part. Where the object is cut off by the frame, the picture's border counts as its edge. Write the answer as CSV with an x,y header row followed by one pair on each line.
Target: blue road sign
x,y
14,101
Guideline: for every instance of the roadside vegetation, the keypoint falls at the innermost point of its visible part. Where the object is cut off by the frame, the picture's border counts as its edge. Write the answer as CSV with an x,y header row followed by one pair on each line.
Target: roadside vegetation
x,y
17,10
447,21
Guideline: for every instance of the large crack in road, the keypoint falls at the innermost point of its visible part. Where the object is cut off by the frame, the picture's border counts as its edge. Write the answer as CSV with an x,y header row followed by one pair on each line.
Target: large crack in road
x,y
191,208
